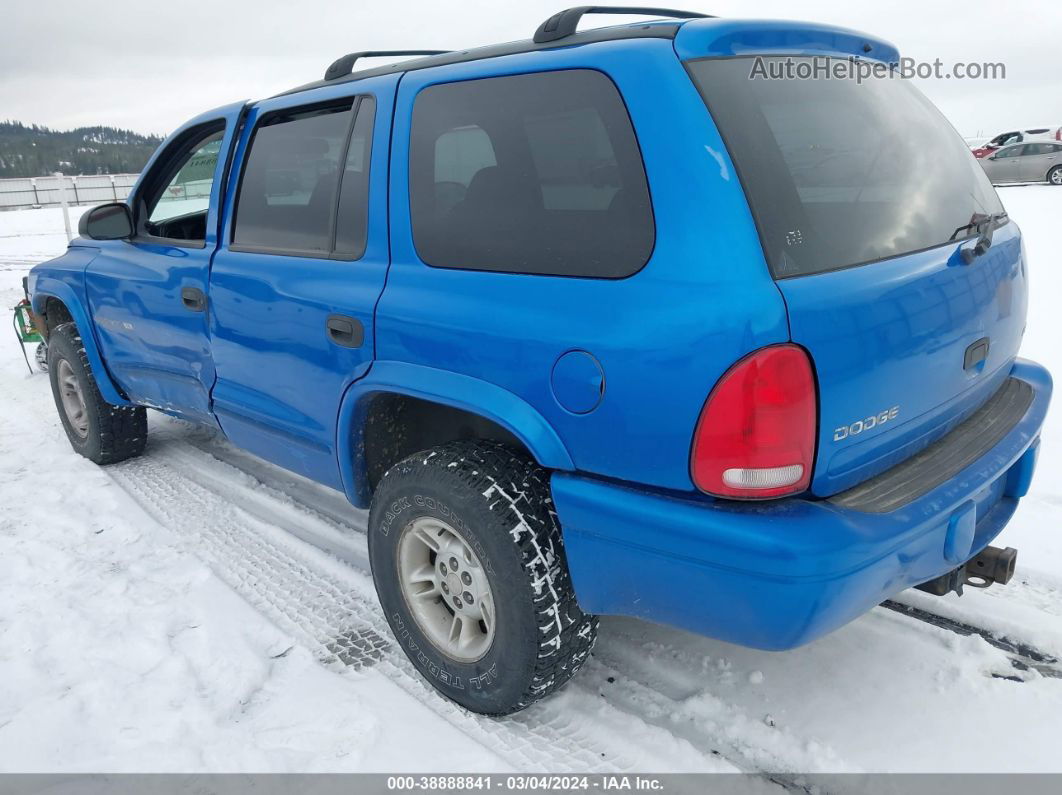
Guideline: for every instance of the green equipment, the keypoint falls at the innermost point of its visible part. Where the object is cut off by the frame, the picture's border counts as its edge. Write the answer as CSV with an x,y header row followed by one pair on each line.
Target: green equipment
x,y
27,332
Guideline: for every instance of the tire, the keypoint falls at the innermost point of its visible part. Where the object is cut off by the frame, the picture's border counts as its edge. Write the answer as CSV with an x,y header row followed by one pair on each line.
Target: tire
x,y
40,356
1054,176
497,503
101,432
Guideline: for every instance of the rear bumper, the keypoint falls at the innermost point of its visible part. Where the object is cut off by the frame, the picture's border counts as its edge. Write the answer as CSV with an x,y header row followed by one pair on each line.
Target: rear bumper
x,y
779,574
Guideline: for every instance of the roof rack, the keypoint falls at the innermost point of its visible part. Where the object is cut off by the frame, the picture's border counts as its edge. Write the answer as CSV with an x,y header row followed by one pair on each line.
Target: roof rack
x,y
345,65
563,23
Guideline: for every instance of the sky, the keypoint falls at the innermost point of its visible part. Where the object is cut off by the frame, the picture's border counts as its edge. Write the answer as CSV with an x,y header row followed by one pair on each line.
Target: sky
x,y
149,66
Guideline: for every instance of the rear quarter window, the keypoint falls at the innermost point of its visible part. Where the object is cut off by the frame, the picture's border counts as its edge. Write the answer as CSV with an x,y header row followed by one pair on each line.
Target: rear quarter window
x,y
538,173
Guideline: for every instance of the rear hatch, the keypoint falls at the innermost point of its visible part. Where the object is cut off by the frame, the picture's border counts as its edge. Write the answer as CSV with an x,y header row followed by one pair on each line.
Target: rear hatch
x,y
866,200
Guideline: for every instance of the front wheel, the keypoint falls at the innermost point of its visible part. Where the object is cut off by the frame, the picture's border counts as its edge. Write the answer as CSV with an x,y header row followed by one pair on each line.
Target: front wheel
x,y
98,430
1054,176
469,566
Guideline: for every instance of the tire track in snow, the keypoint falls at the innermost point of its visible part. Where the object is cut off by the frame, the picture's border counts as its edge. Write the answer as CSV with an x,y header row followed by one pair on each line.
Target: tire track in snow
x,y
635,688
1022,656
626,684
640,690
629,683
331,608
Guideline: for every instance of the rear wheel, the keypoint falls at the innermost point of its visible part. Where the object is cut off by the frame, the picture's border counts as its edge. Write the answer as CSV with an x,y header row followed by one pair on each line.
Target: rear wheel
x,y
1054,176
98,430
469,565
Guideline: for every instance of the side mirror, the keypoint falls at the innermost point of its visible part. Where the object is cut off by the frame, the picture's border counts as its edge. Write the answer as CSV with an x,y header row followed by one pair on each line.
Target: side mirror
x,y
107,222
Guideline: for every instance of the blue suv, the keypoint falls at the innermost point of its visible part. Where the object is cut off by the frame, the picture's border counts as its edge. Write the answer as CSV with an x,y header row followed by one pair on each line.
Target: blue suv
x,y
634,320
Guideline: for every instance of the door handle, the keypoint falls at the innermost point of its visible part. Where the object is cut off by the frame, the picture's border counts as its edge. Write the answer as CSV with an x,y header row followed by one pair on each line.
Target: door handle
x,y
193,298
345,331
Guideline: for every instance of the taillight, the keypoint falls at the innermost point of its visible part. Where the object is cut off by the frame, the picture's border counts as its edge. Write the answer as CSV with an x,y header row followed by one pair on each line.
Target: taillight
x,y
755,438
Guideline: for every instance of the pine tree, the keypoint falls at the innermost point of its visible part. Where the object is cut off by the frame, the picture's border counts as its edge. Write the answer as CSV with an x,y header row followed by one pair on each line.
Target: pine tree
x,y
36,151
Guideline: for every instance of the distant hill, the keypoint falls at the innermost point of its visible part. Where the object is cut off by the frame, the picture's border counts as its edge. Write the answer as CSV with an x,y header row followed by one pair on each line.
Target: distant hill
x,y
35,151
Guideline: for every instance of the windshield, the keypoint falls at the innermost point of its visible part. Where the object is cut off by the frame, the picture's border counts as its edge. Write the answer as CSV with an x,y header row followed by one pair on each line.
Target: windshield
x,y
841,173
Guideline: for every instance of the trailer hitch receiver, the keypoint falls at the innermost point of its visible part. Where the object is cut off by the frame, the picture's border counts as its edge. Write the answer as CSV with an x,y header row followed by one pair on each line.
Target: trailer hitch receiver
x,y
990,565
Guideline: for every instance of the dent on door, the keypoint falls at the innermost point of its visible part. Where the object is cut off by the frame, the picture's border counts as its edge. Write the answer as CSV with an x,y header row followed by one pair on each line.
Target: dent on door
x,y
151,323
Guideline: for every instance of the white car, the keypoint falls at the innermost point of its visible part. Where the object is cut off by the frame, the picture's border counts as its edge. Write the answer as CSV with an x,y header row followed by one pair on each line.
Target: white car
x,y
1017,137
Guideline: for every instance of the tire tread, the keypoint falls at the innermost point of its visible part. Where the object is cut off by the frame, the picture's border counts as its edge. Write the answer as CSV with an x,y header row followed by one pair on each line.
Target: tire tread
x,y
121,430
518,493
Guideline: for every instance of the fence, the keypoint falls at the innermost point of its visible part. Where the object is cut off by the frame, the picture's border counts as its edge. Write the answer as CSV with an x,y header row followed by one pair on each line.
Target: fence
x,y
44,191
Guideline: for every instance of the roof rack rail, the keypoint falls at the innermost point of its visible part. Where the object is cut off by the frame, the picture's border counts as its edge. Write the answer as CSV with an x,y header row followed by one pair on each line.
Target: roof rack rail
x,y
563,23
345,65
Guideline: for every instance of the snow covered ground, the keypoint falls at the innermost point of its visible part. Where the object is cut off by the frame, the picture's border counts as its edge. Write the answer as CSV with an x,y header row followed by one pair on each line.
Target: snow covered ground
x,y
198,609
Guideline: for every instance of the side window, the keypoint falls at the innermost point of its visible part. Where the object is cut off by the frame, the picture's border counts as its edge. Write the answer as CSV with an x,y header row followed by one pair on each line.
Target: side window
x,y
538,173
176,195
352,217
1014,151
288,186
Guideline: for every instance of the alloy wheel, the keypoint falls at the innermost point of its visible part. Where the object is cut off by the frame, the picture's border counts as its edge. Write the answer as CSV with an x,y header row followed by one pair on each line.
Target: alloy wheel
x,y
73,398
446,589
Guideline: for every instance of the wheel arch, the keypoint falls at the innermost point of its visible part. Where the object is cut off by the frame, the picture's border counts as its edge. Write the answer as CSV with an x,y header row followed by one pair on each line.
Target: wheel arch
x,y
52,296
484,405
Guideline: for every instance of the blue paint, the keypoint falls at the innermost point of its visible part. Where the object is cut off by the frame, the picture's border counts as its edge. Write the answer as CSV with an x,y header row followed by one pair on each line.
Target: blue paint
x,y
1021,474
962,526
780,574
447,388
663,336
157,350
894,334
601,380
732,37
64,280
578,382
280,378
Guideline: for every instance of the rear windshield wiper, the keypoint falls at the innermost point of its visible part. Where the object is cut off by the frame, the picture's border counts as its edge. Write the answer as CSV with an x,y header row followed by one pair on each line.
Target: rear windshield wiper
x,y
978,221
983,224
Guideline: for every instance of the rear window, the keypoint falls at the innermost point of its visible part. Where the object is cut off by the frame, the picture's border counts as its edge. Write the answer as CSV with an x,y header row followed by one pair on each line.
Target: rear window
x,y
840,173
537,173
